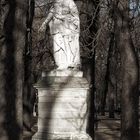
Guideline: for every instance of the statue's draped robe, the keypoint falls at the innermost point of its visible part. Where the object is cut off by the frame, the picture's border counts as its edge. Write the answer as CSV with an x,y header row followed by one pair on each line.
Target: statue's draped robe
x,y
64,28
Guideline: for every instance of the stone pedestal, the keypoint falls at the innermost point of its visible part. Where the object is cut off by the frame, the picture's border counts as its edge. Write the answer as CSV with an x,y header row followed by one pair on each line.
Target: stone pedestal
x,y
62,106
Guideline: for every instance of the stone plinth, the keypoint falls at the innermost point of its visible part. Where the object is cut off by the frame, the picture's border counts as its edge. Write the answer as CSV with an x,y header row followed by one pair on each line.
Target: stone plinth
x,y
63,73
62,106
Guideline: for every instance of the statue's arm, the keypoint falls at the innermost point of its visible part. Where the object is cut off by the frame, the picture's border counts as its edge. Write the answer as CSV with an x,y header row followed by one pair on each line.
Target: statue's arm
x,y
59,16
47,20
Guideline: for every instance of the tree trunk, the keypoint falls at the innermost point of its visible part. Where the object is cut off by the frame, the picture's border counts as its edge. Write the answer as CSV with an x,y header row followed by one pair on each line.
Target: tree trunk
x,y
111,100
12,41
129,97
92,24
112,79
27,92
109,81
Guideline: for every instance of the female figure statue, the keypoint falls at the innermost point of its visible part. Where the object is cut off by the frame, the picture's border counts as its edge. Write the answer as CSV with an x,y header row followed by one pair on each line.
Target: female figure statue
x,y
63,20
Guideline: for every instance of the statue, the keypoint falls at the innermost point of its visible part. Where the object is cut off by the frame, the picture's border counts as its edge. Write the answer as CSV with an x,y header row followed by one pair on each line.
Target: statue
x,y
64,24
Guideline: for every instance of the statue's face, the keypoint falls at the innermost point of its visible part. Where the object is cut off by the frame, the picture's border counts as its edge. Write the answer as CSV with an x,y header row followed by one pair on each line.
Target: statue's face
x,y
64,2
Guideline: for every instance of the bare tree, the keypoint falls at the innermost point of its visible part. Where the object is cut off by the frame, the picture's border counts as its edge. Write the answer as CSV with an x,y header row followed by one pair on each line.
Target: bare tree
x,y
130,95
28,95
12,41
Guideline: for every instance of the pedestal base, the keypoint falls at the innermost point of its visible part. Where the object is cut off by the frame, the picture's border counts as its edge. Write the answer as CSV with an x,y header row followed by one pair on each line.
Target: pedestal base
x,y
72,136
62,107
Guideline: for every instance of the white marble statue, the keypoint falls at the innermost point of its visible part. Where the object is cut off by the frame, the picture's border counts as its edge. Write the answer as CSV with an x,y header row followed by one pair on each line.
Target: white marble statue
x,y
63,20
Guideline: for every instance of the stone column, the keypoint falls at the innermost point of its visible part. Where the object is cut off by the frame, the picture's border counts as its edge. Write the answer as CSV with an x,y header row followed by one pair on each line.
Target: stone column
x,y
62,106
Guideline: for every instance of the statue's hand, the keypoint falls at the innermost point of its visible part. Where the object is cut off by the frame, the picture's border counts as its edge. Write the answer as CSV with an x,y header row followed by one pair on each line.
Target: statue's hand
x,y
42,28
